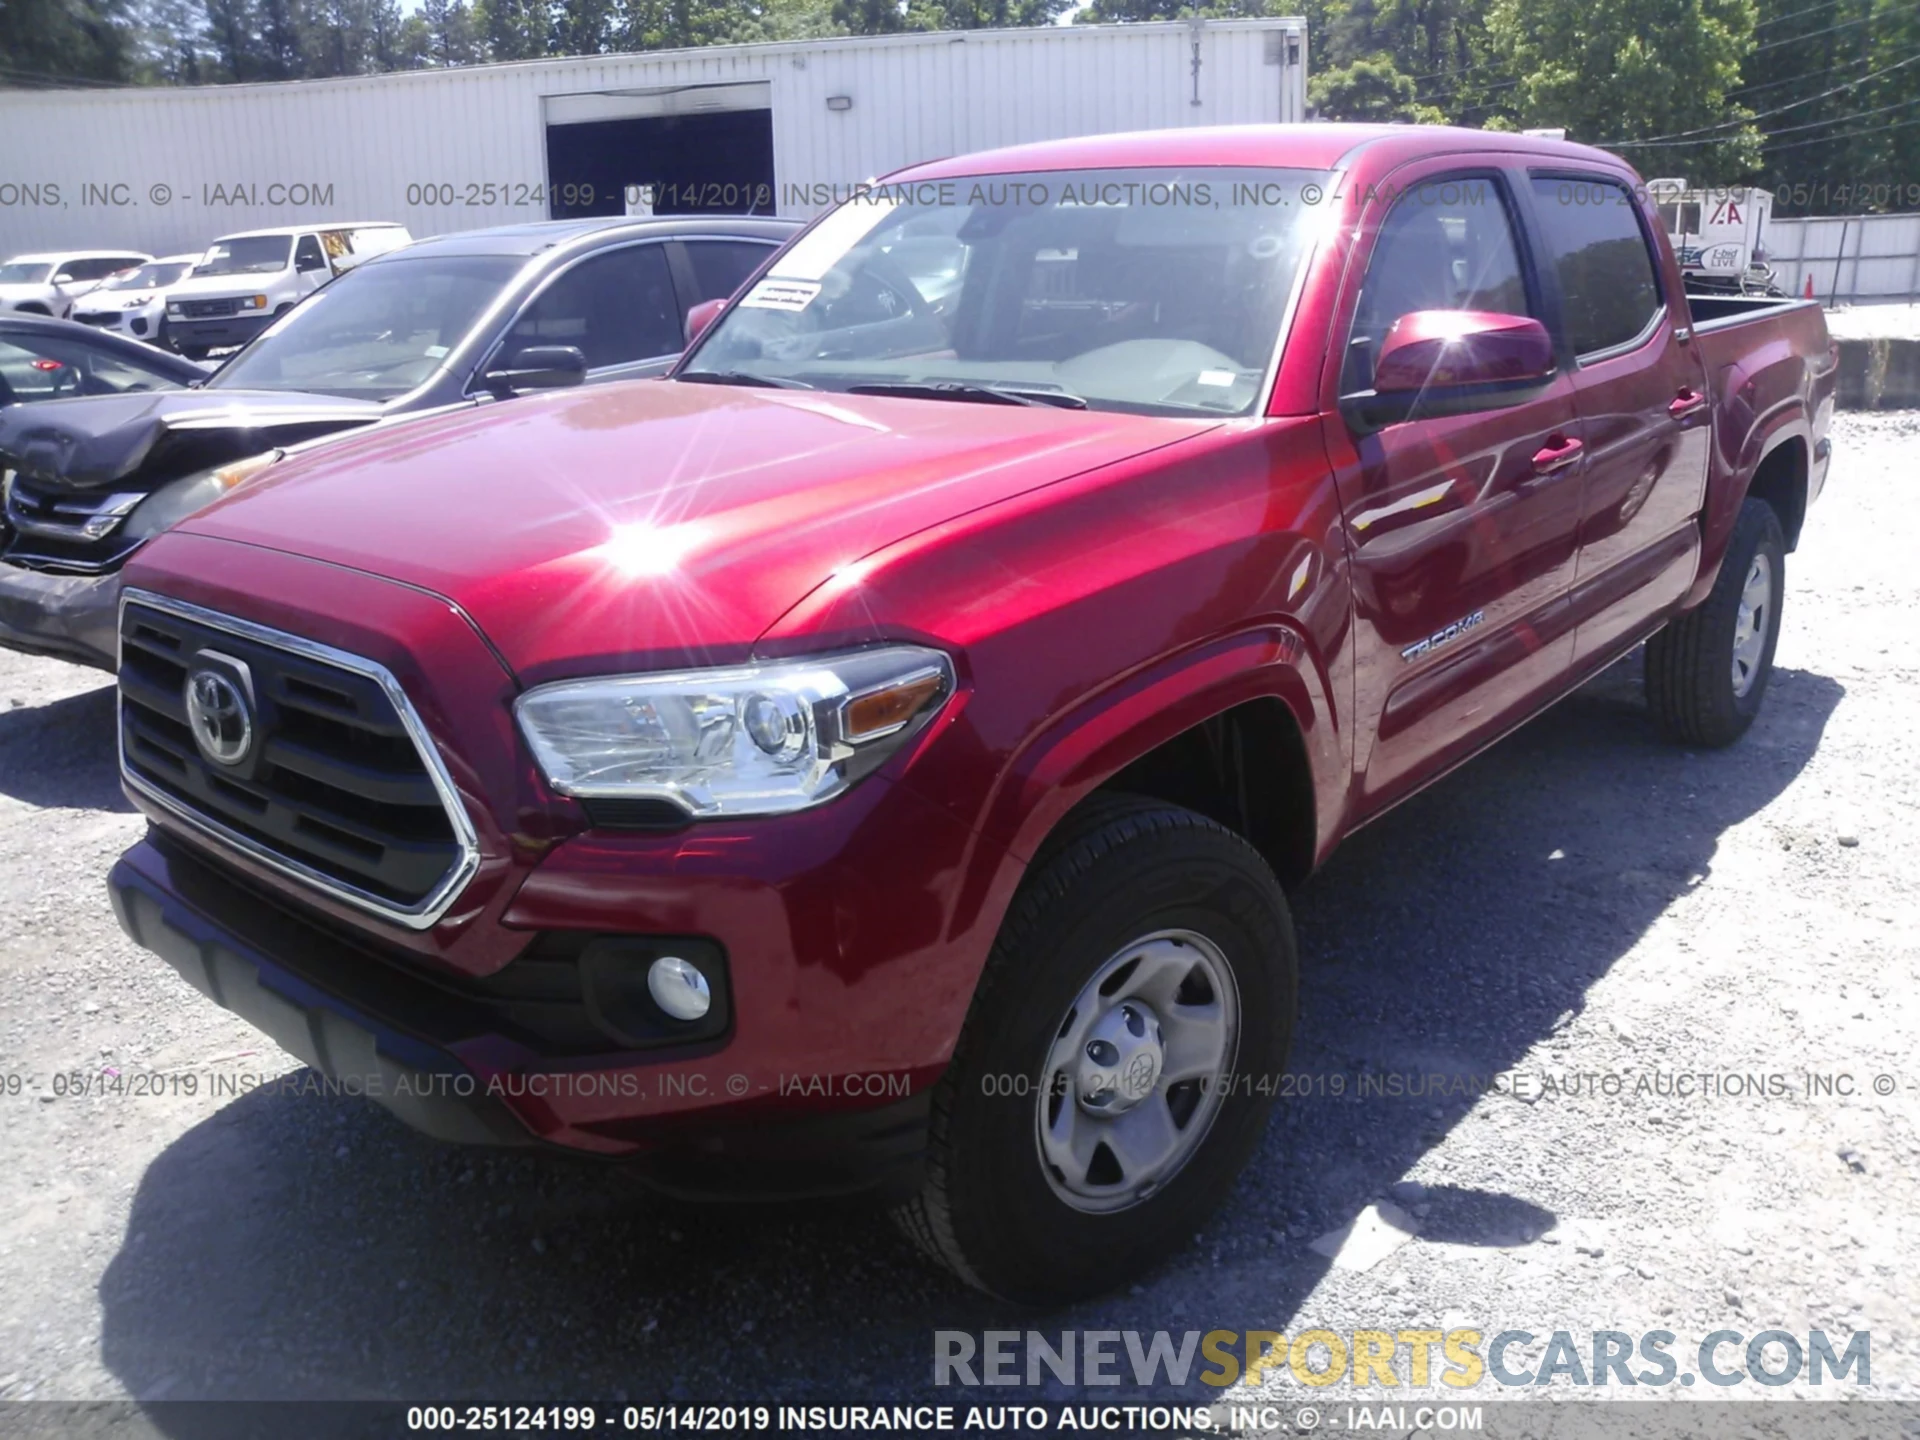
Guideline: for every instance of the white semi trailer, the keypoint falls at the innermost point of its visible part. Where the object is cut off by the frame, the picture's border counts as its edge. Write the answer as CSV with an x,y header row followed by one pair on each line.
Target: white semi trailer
x,y
1718,235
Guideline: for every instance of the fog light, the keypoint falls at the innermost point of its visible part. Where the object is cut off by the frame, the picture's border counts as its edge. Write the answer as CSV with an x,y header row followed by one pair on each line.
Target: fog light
x,y
679,988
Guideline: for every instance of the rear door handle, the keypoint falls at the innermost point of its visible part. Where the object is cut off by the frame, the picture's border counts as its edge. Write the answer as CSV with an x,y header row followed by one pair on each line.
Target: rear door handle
x,y
1558,454
1688,402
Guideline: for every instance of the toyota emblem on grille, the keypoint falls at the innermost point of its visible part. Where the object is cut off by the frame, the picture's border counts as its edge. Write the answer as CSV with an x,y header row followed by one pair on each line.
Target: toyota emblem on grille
x,y
217,711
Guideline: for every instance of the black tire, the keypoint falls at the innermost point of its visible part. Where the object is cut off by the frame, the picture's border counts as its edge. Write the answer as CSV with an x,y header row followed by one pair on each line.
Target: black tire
x,y
1690,664
1121,868
193,352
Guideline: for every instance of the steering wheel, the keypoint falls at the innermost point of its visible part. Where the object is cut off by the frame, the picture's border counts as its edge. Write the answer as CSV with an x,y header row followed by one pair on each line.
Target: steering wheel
x,y
884,285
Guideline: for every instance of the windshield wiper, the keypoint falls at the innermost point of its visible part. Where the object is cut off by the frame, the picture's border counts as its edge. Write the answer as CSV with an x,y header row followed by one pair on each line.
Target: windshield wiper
x,y
742,377
965,390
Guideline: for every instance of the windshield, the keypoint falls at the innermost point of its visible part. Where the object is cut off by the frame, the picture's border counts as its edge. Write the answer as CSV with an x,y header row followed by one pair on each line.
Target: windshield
x,y
1159,291
18,274
251,255
376,332
149,277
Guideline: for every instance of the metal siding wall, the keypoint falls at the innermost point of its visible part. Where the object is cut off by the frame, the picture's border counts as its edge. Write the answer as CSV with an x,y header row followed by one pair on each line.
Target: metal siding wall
x,y
917,97
1849,257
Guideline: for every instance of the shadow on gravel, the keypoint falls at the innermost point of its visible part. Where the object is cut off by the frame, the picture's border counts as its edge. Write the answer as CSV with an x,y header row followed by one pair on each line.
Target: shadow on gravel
x,y
63,755
313,1247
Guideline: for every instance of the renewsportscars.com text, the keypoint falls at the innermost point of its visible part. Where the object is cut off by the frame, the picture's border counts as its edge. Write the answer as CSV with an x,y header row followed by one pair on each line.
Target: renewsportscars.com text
x,y
1458,1359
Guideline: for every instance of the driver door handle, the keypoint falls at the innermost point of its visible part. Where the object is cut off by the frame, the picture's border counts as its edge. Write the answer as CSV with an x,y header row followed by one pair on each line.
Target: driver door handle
x,y
1558,453
1687,403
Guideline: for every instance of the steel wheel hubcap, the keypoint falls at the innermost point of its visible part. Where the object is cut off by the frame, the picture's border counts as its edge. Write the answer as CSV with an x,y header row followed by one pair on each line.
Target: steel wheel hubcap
x,y
1750,624
1133,1076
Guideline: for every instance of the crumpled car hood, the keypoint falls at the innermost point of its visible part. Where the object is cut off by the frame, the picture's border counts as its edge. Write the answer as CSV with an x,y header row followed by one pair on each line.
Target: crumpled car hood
x,y
93,441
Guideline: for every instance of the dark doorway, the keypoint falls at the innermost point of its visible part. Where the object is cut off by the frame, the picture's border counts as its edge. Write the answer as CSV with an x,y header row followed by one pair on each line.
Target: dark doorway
x,y
720,162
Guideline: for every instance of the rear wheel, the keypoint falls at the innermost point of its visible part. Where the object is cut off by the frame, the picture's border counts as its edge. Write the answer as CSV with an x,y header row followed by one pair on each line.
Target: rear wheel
x,y
1115,1070
1707,672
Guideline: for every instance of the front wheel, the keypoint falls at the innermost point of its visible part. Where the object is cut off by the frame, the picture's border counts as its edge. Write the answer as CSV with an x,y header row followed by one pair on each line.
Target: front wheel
x,y
1707,672
1118,1064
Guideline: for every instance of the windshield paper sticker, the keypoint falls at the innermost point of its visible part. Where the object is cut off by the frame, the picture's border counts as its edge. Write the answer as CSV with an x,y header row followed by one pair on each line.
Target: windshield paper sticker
x,y
775,294
821,248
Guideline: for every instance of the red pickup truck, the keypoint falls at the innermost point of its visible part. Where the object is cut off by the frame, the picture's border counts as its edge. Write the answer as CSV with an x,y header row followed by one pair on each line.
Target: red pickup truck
x,y
877,755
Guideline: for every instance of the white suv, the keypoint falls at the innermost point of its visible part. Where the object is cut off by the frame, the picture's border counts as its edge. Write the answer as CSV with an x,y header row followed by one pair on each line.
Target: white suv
x,y
134,302
49,284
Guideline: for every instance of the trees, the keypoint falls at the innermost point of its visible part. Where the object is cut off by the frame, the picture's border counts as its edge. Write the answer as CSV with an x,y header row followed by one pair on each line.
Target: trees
x,y
66,39
1649,77
1370,90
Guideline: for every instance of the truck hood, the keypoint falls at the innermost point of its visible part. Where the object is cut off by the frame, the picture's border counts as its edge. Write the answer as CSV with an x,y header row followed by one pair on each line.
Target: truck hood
x,y
657,523
138,441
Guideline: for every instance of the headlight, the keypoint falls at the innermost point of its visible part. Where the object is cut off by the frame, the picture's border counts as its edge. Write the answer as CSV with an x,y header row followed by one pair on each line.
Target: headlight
x,y
253,302
175,311
761,739
172,503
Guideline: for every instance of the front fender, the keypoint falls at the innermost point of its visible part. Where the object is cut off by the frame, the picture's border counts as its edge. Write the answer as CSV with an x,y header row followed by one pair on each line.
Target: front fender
x,y
1110,729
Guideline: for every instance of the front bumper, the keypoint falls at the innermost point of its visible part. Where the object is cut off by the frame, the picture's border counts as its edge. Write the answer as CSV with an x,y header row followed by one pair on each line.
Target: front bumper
x,y
135,324
215,334
460,1068
71,617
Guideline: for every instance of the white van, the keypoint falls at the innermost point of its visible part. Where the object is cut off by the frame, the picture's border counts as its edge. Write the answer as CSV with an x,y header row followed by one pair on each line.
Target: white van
x,y
245,280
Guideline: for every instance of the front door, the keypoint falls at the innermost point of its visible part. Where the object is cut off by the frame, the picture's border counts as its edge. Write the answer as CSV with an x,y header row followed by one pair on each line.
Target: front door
x,y
1641,391
1462,528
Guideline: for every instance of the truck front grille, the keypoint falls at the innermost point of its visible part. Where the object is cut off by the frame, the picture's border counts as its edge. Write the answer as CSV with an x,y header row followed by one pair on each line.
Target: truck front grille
x,y
208,309
302,756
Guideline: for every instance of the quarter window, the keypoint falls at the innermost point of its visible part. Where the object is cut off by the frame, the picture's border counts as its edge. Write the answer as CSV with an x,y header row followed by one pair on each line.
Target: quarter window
x,y
1445,245
1609,291
719,266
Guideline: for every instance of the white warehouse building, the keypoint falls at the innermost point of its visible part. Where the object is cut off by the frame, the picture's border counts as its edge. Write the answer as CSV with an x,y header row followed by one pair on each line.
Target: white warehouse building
x,y
775,128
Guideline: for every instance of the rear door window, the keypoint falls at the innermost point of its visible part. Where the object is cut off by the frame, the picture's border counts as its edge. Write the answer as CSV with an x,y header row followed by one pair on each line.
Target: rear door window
x,y
617,307
720,267
62,366
1609,289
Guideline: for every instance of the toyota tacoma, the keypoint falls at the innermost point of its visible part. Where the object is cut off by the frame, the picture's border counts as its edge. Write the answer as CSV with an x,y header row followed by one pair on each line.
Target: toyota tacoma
x,y
877,756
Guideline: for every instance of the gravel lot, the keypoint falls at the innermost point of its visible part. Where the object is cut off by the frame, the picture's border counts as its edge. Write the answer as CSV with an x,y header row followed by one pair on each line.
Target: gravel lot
x,y
1582,901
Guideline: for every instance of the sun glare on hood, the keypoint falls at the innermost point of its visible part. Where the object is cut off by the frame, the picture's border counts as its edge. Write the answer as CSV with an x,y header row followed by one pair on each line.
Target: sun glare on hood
x,y
645,549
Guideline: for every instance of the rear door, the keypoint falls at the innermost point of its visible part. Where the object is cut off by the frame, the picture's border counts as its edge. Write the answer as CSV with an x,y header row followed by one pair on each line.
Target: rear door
x,y
1462,527
1641,392
712,269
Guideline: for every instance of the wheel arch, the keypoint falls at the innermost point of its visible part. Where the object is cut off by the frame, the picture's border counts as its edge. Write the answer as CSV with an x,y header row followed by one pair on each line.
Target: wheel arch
x,y
1241,731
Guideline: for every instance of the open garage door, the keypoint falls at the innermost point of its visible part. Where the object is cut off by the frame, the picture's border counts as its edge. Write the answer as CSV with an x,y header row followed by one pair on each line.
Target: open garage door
x,y
704,149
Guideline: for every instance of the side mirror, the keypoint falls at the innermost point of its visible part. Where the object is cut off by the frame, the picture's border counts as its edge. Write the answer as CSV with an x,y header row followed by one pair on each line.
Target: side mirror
x,y
309,262
539,367
1452,362
63,278
700,316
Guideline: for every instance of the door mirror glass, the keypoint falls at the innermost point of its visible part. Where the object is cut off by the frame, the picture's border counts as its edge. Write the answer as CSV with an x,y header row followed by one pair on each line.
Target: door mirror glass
x,y
700,316
1429,350
540,367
